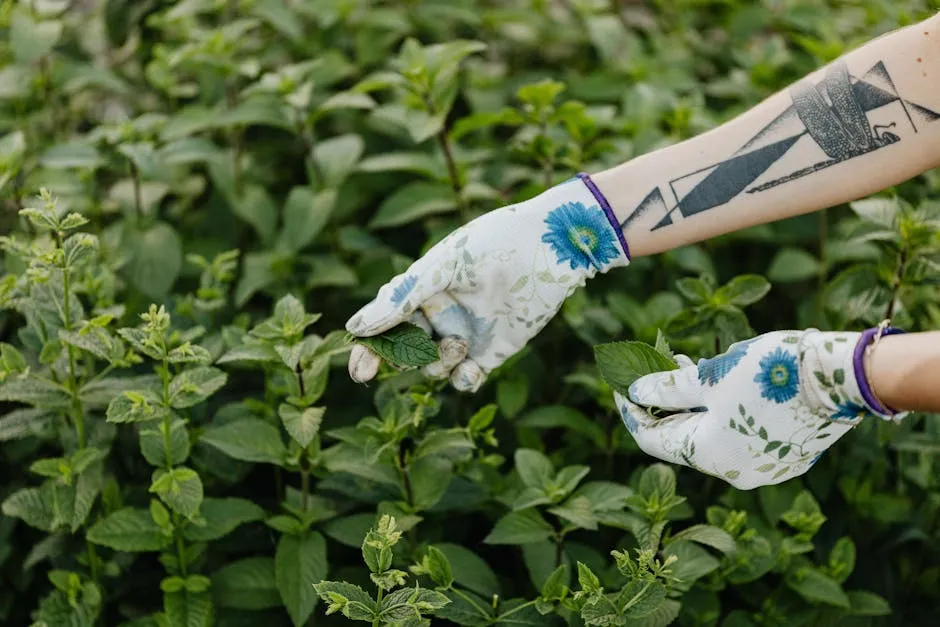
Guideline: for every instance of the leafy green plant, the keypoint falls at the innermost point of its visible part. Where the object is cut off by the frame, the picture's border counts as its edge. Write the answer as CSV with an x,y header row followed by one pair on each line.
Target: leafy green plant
x,y
195,195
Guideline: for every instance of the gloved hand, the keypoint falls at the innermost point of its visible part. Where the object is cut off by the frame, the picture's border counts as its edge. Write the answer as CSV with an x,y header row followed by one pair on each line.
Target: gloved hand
x,y
494,283
762,412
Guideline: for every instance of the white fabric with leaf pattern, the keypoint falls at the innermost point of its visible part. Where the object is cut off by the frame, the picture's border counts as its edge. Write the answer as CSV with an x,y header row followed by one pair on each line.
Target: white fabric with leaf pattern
x,y
496,281
761,413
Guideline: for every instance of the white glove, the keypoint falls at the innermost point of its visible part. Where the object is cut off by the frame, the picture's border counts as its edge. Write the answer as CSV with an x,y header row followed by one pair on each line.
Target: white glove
x,y
495,282
761,413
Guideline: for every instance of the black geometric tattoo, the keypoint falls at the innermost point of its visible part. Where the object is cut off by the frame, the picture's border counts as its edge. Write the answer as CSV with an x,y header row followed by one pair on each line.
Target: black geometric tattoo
x,y
843,116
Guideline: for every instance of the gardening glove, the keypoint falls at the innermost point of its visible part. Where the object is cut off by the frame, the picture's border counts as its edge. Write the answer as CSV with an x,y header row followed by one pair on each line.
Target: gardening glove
x,y
490,286
761,413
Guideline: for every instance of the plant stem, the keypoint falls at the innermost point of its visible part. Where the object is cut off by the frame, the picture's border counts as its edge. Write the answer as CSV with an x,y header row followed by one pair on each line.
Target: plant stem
x,y
471,602
78,412
453,173
502,617
823,266
138,202
304,486
378,607
898,282
168,453
559,542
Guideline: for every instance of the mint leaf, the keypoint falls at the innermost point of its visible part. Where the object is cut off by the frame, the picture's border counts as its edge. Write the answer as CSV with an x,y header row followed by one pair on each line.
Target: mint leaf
x,y
406,345
622,363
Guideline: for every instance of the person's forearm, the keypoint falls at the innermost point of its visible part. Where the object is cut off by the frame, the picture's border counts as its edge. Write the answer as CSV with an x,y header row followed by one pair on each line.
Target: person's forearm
x,y
904,371
866,122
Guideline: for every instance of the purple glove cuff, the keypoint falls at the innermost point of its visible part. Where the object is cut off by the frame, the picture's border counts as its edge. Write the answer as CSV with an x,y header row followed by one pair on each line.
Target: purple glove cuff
x,y
859,366
611,217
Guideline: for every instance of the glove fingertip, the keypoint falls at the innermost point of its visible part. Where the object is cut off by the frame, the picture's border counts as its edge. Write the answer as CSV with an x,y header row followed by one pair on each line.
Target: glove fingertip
x,y
363,364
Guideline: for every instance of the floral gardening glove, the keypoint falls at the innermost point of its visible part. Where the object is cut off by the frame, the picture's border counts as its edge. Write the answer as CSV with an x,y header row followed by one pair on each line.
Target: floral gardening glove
x,y
761,413
490,286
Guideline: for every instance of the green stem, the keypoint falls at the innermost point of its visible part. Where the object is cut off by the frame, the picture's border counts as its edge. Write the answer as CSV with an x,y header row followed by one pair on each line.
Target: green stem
x,y
898,281
823,266
502,617
138,199
78,412
304,486
378,607
453,174
470,600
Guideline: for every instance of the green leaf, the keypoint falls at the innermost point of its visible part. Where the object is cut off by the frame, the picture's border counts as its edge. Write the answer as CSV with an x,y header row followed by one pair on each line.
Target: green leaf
x,y
28,505
622,363
189,150
305,215
354,602
412,202
157,260
791,265
658,480
185,608
864,603
219,517
180,488
256,207
25,423
136,406
521,527
31,40
697,291
439,569
145,158
129,529
555,587
535,470
816,587
708,535
409,603
692,563
563,417
300,561
33,391
881,211
470,570
414,162
156,446
248,439
641,598
302,425
195,385
430,476
404,345
337,158
247,584
743,290
511,395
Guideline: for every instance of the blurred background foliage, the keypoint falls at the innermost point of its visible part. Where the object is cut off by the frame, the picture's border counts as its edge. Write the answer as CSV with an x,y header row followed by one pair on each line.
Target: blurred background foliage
x,y
244,163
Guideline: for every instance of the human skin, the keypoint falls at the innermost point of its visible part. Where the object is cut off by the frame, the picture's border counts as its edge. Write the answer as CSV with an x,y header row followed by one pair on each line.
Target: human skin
x,y
904,371
843,123
867,121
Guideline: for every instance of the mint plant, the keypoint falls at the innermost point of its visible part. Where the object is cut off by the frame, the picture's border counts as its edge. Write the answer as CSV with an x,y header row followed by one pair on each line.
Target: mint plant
x,y
195,195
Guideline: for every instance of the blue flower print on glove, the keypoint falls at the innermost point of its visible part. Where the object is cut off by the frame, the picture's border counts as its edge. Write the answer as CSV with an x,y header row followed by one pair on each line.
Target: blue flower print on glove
x,y
779,376
581,236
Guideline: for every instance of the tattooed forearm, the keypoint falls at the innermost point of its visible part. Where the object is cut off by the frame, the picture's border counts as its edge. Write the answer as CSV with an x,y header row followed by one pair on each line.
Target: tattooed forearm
x,y
828,121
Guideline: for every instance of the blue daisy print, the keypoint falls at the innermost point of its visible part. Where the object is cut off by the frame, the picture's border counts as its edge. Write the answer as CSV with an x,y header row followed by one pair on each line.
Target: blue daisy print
x,y
711,371
581,236
779,377
628,420
847,410
401,292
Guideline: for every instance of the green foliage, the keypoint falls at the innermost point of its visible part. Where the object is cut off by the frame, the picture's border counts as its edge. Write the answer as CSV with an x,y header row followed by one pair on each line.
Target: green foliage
x,y
196,194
